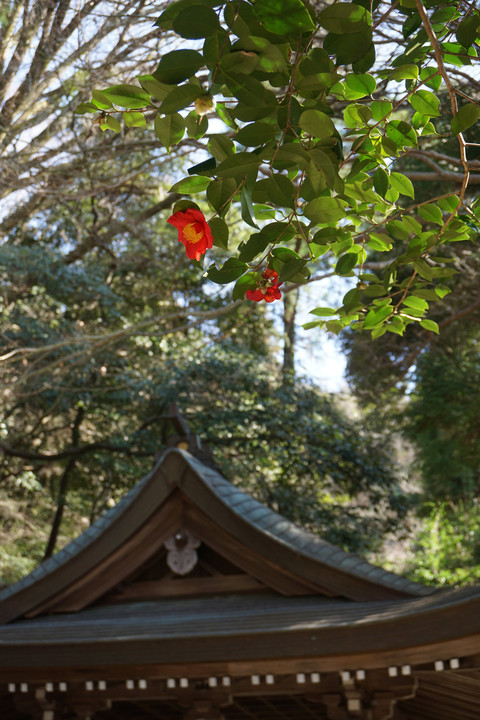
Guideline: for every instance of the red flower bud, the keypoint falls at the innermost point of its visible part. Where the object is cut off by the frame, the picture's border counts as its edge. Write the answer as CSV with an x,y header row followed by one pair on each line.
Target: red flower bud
x,y
193,231
267,288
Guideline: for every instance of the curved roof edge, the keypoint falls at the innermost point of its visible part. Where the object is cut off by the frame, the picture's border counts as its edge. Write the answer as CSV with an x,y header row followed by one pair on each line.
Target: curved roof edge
x,y
204,486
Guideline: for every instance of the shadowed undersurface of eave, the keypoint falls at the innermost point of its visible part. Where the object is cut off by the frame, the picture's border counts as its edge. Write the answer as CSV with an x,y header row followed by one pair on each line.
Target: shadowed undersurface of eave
x,y
228,616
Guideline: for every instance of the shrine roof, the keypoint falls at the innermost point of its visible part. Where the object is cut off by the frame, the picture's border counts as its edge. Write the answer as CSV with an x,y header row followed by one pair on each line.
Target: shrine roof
x,y
301,556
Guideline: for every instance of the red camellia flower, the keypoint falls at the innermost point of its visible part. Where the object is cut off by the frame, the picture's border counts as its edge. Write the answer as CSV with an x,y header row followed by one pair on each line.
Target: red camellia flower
x,y
267,288
193,231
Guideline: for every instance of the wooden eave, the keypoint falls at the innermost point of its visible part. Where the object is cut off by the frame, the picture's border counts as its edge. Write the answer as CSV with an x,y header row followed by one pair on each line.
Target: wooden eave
x,y
183,492
271,634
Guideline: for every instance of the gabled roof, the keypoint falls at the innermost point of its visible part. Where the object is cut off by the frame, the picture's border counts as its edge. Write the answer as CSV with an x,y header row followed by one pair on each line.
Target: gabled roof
x,y
182,492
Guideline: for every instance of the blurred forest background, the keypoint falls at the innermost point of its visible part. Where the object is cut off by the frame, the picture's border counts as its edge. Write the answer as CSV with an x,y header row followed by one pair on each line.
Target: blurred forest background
x,y
105,322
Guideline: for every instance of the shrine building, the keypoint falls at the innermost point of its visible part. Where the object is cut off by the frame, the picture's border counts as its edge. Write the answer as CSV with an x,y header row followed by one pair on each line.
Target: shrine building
x,y
190,600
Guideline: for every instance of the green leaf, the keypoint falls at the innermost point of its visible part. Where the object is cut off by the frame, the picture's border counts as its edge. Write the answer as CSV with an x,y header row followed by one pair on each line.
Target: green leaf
x,y
415,302
255,134
206,167
101,100
380,181
221,147
196,21
231,270
404,72
191,185
344,18
430,325
291,269
426,103
285,17
380,242
244,283
402,184
110,123
173,9
381,109
154,87
128,96
247,207
325,210
239,61
431,213
376,316
256,244
358,86
467,30
323,312
178,65
180,97
87,107
196,125
317,124
277,189
239,165
349,48
169,129
466,116
220,193
346,263
134,119
220,232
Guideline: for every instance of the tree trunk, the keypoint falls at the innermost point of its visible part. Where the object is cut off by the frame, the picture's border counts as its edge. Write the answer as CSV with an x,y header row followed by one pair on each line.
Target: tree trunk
x,y
63,487
290,301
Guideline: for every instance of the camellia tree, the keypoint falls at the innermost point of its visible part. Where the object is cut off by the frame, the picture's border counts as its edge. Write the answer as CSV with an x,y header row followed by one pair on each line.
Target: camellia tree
x,y
304,110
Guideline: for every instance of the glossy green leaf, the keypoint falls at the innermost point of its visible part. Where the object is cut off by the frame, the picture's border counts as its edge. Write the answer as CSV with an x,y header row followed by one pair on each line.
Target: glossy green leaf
x,y
246,206
466,116
154,87
178,65
87,107
111,123
426,103
255,245
317,124
430,325
220,232
325,210
380,181
344,18
101,100
243,62
285,17
431,213
181,97
196,21
134,119
359,86
221,147
239,165
346,263
196,125
173,9
408,71
349,48
220,193
256,134
128,96
376,316
277,189
244,283
169,129
191,185
402,184
467,30
230,271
